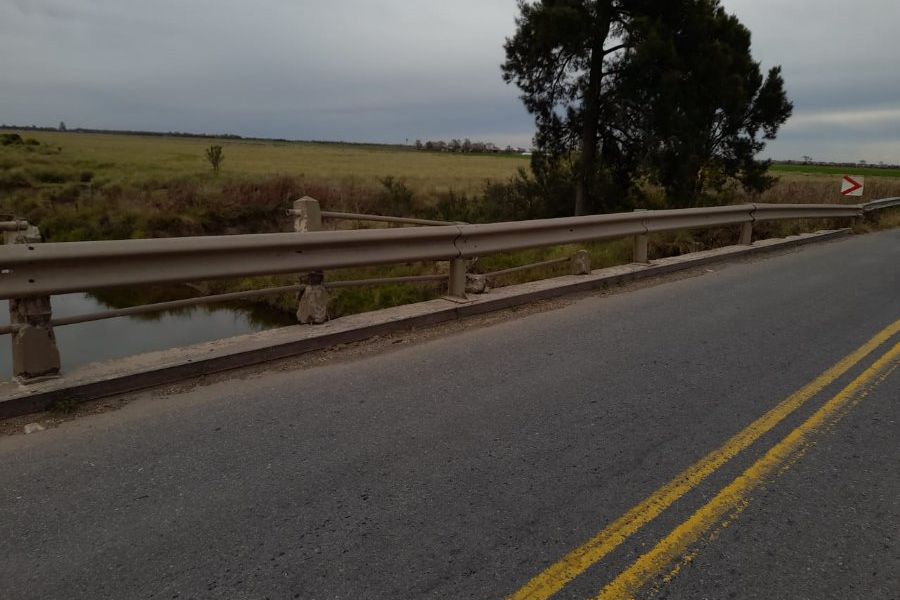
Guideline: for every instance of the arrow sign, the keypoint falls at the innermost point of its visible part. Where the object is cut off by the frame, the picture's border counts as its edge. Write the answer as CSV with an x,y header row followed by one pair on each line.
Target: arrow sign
x,y
852,186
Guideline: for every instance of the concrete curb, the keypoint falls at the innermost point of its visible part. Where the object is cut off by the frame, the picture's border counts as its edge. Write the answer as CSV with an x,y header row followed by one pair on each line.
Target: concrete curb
x,y
157,368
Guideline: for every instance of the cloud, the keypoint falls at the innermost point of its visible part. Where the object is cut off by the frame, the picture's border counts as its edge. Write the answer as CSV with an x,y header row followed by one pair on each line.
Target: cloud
x,y
390,70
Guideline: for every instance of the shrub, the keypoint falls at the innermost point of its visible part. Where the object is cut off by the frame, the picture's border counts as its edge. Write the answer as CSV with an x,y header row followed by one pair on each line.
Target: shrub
x,y
397,197
49,174
14,178
215,157
10,139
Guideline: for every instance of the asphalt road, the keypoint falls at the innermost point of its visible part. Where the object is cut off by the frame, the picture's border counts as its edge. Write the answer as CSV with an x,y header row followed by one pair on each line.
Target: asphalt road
x,y
469,466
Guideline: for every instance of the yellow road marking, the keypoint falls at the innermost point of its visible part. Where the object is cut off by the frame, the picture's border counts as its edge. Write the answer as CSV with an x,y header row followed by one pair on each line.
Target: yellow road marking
x,y
733,497
795,458
555,577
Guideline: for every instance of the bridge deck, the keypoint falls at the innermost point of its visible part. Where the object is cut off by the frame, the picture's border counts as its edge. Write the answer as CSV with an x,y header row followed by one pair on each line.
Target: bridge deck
x,y
470,465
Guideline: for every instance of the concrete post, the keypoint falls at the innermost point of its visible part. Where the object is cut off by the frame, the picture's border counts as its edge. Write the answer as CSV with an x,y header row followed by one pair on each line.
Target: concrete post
x,y
34,351
8,237
308,215
457,283
312,308
581,263
746,234
28,234
640,254
476,284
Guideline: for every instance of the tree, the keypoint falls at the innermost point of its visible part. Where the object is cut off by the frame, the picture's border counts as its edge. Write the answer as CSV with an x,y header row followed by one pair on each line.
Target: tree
x,y
708,109
215,157
62,125
566,58
613,84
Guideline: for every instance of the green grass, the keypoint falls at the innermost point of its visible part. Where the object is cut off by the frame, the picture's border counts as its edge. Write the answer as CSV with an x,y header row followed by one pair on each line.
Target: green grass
x,y
137,160
778,169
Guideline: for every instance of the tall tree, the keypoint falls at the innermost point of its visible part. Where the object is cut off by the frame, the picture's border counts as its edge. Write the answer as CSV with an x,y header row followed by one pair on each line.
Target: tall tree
x,y
622,86
709,111
565,57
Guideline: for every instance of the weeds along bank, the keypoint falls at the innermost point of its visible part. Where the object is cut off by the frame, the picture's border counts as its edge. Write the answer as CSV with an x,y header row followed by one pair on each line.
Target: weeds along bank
x,y
99,186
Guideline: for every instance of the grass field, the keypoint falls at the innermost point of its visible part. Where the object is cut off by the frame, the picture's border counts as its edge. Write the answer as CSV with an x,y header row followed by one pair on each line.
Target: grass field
x,y
132,159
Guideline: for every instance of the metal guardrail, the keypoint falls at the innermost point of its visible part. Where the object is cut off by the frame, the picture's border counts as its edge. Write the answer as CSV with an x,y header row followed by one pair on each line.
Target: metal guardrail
x,y
512,270
31,272
345,216
15,225
58,268
881,204
326,214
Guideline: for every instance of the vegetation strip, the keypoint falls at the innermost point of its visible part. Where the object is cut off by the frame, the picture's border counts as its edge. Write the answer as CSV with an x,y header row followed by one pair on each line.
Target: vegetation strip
x,y
558,575
734,495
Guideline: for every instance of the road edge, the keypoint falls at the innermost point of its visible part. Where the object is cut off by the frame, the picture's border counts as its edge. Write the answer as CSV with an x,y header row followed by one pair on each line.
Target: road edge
x,y
153,369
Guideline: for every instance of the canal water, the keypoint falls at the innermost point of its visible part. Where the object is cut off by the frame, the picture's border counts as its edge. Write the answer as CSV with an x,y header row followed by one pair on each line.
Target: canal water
x,y
124,336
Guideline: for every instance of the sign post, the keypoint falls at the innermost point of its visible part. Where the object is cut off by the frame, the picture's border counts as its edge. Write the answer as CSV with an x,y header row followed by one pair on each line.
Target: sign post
x,y
852,186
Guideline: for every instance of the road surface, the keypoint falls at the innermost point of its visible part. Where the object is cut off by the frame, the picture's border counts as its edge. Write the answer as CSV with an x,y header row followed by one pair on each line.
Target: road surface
x,y
731,435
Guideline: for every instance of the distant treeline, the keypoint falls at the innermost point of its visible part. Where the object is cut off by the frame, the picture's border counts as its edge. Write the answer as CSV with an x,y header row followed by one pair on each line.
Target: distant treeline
x,y
856,165
128,132
465,146
184,134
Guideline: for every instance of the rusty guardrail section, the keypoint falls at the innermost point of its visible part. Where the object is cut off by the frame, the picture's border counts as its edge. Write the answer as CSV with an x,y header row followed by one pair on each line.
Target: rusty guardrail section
x,y
31,272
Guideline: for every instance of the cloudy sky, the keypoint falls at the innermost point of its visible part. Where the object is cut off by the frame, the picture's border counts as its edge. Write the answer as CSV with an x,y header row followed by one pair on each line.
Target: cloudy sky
x,y
392,70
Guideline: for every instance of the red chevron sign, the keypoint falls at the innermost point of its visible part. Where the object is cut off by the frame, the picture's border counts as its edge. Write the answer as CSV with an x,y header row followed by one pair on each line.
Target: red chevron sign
x,y
852,186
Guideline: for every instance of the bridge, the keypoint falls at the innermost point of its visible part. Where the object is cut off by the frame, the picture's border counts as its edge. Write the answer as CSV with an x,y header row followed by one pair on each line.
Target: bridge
x,y
725,430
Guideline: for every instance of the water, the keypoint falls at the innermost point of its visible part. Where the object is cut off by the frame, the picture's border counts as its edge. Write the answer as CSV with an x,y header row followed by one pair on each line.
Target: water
x,y
124,336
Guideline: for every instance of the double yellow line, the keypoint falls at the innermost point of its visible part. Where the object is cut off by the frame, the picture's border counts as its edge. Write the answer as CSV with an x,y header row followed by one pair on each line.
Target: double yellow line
x,y
649,565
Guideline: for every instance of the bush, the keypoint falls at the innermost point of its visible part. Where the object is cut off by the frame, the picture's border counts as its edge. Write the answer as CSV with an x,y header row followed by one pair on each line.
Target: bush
x,y
452,206
50,175
10,139
397,197
14,178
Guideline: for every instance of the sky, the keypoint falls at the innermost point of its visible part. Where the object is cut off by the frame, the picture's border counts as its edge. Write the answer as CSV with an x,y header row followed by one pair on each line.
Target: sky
x,y
391,71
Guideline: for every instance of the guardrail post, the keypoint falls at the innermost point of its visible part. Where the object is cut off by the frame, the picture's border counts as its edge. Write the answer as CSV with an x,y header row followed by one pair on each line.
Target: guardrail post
x,y
34,351
746,234
312,308
307,215
581,263
641,252
456,287
20,232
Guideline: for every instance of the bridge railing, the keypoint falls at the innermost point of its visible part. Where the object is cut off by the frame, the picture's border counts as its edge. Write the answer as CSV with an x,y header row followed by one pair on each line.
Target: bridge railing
x,y
882,204
32,272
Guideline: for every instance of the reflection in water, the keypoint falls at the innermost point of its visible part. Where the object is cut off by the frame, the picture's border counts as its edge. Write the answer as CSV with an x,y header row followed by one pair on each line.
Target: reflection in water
x,y
124,336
